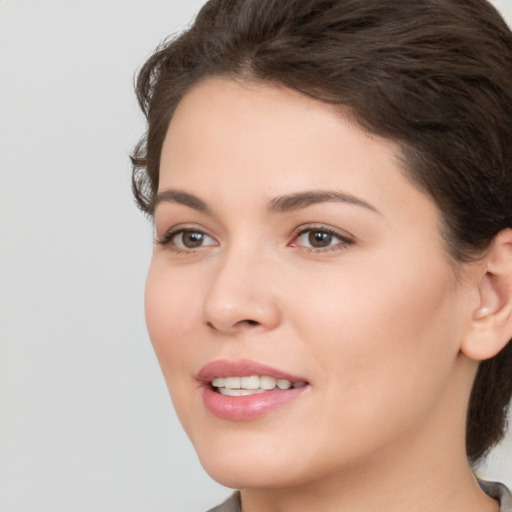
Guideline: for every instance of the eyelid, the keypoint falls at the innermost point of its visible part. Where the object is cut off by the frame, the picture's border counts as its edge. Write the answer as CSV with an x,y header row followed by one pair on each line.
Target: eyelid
x,y
165,240
345,238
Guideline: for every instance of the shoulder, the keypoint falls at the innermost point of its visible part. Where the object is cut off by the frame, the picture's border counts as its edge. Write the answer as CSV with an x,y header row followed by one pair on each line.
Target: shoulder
x,y
499,492
234,504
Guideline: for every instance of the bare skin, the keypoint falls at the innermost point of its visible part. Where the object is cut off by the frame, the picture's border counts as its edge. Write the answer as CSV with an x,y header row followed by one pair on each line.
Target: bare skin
x,y
289,237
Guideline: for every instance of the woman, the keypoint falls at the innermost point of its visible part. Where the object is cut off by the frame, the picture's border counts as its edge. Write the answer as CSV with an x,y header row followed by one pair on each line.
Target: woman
x,y
330,294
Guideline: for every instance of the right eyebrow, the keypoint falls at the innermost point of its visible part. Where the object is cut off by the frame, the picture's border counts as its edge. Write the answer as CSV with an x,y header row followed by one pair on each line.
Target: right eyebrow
x,y
307,198
179,197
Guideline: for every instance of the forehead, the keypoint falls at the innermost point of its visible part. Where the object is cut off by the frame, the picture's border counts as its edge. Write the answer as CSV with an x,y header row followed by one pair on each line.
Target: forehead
x,y
259,129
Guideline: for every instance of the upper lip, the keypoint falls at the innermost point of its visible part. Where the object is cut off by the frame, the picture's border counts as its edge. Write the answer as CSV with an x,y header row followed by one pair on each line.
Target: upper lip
x,y
242,368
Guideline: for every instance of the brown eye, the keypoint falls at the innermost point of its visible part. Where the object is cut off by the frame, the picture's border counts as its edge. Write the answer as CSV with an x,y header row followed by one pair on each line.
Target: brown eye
x,y
190,239
319,239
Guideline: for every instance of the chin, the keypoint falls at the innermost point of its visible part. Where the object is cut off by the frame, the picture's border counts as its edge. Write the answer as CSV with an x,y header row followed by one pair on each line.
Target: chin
x,y
262,460
248,474
247,463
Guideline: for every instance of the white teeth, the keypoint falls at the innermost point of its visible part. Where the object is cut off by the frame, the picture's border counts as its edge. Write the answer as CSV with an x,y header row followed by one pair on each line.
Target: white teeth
x,y
241,386
267,383
252,382
246,392
218,382
239,392
232,382
284,384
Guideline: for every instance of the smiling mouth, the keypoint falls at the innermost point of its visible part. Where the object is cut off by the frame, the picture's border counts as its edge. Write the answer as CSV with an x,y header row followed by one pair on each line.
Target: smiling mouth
x,y
253,384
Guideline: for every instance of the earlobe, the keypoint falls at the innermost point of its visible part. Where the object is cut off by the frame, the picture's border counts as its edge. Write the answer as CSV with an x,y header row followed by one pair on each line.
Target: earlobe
x,y
491,326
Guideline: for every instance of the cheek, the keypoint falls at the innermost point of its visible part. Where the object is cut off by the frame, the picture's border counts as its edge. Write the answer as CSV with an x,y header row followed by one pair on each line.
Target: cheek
x,y
381,338
172,310
172,316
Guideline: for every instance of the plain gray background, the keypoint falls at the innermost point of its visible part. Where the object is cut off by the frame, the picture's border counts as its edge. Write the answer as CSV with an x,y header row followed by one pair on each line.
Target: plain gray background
x,y
85,419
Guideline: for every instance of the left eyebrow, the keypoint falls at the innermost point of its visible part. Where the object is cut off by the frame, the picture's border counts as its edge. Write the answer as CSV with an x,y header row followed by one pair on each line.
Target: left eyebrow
x,y
299,200
180,197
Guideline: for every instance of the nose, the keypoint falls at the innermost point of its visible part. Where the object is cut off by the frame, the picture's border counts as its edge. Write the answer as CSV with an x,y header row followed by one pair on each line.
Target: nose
x,y
242,296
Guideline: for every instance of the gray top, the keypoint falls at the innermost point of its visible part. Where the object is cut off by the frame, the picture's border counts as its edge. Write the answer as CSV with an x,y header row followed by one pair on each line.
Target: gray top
x,y
232,504
493,489
498,492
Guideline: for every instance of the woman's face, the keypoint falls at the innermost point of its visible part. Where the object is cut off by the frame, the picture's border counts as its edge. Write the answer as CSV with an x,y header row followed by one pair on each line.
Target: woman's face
x,y
290,246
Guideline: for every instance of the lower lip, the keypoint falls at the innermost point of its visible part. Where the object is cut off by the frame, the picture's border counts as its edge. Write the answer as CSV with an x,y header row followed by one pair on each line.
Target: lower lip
x,y
248,407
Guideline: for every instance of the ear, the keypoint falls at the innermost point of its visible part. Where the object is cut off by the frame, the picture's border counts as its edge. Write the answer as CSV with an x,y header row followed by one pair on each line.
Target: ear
x,y
491,324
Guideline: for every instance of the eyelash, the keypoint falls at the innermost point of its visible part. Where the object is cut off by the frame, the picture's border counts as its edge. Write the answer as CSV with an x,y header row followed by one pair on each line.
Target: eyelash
x,y
344,241
167,238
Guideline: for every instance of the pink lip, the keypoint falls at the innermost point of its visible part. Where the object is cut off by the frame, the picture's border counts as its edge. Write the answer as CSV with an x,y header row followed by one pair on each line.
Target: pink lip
x,y
241,368
245,407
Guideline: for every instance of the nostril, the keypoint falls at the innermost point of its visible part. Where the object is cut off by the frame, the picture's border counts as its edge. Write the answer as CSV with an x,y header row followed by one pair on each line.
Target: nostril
x,y
240,325
248,322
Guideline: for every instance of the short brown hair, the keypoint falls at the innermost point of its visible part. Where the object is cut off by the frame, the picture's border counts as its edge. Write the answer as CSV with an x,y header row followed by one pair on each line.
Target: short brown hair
x,y
434,76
